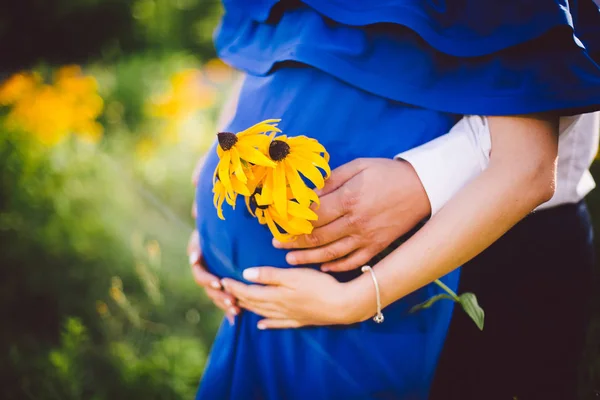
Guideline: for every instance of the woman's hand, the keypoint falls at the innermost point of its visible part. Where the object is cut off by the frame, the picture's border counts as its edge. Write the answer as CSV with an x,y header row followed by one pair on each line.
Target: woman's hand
x,y
365,205
298,297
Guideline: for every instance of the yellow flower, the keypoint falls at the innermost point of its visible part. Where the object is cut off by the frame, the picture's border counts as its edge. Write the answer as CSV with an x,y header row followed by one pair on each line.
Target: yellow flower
x,y
294,156
186,95
52,111
295,222
238,153
18,86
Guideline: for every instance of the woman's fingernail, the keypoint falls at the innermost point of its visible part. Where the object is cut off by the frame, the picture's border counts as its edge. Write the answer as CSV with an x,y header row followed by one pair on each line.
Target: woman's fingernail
x,y
224,284
261,326
318,192
215,285
193,257
250,274
228,302
290,258
276,244
325,269
232,311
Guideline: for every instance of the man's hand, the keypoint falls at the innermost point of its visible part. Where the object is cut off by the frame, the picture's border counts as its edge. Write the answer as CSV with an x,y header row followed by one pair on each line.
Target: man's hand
x,y
365,205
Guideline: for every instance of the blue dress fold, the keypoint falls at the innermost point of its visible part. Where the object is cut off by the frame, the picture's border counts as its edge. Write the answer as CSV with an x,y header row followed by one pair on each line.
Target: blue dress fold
x,y
533,62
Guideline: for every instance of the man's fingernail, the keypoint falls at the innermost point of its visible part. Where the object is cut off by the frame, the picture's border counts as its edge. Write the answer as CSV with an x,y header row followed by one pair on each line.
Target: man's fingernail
x,y
290,258
276,244
228,303
224,283
250,274
215,285
232,311
318,192
325,269
261,326
193,257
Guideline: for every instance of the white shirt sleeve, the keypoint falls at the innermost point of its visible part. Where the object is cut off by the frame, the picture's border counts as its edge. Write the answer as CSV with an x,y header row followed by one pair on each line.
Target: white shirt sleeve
x,y
446,164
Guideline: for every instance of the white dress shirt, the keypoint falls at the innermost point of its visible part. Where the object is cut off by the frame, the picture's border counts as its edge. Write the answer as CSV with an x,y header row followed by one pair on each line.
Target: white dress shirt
x,y
449,162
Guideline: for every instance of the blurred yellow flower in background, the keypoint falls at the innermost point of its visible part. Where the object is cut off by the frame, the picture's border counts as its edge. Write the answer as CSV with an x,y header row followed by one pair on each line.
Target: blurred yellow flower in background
x,y
18,86
50,112
217,71
186,95
145,148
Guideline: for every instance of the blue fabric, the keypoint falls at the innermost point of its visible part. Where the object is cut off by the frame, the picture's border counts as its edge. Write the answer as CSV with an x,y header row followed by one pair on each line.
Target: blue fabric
x,y
467,57
393,360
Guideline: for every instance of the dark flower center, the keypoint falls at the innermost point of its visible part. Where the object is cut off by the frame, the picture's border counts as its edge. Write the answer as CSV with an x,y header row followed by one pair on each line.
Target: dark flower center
x,y
227,140
278,150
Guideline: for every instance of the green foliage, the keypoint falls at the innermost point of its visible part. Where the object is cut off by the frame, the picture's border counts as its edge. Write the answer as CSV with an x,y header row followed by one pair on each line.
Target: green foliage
x,y
94,283
66,31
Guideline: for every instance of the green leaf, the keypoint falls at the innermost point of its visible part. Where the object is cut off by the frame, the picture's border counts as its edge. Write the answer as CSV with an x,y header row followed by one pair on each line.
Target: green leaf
x,y
430,302
468,301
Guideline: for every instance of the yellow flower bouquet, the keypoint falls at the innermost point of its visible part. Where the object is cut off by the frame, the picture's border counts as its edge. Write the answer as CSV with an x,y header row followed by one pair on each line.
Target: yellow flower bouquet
x,y
266,169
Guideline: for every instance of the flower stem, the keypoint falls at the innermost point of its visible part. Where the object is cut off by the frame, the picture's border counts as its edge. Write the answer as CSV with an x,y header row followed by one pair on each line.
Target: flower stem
x,y
447,289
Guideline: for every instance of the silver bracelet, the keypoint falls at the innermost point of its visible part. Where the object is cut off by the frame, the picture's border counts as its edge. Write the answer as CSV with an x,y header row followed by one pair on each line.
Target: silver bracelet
x,y
379,316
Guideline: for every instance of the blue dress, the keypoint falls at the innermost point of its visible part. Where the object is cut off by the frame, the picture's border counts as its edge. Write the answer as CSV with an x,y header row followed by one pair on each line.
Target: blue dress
x,y
371,79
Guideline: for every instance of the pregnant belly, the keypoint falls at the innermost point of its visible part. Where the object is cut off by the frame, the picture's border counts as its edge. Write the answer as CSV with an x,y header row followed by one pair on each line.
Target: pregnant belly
x,y
349,122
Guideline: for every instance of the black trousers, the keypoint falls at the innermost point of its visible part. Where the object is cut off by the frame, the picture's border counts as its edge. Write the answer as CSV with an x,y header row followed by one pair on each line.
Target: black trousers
x,y
534,285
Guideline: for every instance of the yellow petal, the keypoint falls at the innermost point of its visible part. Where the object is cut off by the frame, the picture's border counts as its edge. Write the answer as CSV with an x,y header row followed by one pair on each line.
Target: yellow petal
x,y
247,200
307,169
259,174
254,156
230,198
217,190
275,231
293,226
280,189
297,185
257,141
261,127
218,199
300,226
239,187
299,211
215,175
266,196
219,150
224,171
260,215
220,208
316,160
236,165
314,198
306,143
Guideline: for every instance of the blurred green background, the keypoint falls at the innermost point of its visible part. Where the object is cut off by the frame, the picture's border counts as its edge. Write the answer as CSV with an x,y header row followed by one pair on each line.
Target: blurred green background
x,y
105,107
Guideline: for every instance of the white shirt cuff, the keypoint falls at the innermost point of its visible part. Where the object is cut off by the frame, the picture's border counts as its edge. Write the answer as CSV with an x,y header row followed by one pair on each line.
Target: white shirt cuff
x,y
446,164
